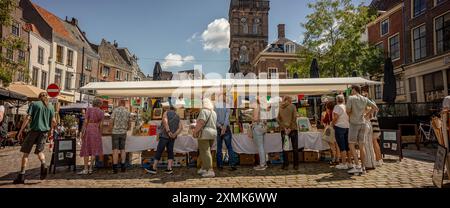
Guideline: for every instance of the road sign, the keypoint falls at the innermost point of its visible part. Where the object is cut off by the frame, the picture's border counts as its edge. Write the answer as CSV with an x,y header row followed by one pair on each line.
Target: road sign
x,y
53,90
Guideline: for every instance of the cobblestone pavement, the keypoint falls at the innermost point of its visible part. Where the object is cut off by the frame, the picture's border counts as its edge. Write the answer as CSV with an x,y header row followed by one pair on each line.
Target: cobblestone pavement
x,y
408,173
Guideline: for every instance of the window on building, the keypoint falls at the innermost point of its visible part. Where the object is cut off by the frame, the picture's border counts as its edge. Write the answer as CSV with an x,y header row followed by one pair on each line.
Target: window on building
x,y
437,2
117,75
127,77
58,74
412,89
290,48
394,47
419,7
69,58
256,26
83,80
378,92
433,86
15,29
243,56
273,73
384,27
419,43
400,86
443,33
89,64
35,77
59,54
21,55
41,55
105,71
68,81
244,25
93,79
10,54
44,80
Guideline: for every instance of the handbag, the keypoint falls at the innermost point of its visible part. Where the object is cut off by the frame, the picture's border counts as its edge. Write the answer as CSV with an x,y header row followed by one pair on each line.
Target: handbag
x,y
199,133
286,143
328,134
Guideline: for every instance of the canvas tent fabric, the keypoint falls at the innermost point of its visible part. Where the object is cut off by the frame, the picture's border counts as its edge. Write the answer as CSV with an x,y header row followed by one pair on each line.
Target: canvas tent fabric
x,y
187,87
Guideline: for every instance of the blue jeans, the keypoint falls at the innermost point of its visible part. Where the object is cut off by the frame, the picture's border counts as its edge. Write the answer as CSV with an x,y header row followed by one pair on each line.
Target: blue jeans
x,y
231,154
259,140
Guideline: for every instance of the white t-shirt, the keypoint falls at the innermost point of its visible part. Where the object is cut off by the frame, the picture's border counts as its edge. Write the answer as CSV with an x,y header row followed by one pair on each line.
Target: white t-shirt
x,y
342,121
2,108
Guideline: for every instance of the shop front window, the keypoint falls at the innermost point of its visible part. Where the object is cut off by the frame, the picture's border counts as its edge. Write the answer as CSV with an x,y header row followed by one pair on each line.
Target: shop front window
x,y
433,85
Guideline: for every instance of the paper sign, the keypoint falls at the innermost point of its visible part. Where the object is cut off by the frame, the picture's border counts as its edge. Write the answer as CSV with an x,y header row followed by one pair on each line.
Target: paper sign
x,y
394,147
65,145
69,155
61,156
390,136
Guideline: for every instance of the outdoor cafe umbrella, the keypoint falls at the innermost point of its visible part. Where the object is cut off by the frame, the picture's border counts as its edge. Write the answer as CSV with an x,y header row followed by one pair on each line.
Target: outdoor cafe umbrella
x,y
314,70
389,86
234,67
157,71
6,94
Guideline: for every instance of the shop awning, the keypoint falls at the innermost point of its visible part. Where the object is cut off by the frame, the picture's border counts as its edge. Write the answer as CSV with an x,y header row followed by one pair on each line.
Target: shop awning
x,y
32,92
170,88
6,94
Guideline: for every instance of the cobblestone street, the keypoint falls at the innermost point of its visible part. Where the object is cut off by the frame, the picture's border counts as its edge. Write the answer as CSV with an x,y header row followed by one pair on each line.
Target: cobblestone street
x,y
409,173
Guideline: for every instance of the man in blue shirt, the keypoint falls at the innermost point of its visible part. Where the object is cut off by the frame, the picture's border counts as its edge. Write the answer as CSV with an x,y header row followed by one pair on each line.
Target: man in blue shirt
x,y
224,134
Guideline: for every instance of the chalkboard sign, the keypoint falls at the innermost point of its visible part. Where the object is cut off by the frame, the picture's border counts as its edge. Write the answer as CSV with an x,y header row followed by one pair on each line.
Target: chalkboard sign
x,y
391,143
439,166
64,154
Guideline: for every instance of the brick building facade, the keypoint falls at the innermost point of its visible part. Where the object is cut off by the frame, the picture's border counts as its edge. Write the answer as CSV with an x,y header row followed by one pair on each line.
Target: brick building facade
x,y
249,31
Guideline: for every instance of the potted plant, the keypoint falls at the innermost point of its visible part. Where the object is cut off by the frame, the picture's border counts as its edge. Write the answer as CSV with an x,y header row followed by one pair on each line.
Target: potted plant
x,y
69,121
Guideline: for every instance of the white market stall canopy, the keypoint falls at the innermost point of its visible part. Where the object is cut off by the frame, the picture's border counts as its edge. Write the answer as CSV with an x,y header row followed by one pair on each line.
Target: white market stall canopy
x,y
170,88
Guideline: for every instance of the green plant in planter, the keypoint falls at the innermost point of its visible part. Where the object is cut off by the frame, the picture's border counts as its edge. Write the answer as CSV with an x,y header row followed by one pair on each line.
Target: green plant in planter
x,y
68,122
146,116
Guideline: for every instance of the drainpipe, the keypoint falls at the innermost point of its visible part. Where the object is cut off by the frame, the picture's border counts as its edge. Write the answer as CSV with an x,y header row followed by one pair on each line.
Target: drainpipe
x,y
29,55
82,72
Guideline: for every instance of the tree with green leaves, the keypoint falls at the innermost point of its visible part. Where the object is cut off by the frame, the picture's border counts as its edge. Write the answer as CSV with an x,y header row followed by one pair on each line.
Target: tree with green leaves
x,y
8,67
333,37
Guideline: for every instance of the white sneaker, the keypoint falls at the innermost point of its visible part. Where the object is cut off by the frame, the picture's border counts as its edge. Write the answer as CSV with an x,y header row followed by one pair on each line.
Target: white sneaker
x,y
209,174
342,166
355,170
350,166
83,172
259,167
201,171
380,162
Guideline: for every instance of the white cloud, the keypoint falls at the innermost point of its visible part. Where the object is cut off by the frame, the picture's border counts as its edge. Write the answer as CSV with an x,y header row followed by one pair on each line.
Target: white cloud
x,y
192,38
176,60
217,36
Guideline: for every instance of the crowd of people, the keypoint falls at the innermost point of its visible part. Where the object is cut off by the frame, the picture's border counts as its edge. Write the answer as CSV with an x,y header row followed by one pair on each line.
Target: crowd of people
x,y
354,124
349,125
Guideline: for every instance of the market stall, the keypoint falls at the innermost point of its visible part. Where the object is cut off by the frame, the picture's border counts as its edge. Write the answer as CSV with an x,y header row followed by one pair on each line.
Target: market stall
x,y
142,137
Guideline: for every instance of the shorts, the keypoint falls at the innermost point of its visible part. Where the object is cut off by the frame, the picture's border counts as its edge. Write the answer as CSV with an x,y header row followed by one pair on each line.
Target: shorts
x,y
341,135
118,141
356,133
38,138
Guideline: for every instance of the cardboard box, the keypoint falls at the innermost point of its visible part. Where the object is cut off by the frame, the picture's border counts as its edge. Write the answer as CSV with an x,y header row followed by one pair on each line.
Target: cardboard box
x,y
311,156
325,155
291,156
246,159
276,158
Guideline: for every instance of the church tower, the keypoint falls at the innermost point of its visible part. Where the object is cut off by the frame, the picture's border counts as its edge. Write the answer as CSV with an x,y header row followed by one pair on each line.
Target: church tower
x,y
249,31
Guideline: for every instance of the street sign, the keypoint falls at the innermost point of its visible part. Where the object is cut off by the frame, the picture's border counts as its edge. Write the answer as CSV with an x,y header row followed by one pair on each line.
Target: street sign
x,y
53,90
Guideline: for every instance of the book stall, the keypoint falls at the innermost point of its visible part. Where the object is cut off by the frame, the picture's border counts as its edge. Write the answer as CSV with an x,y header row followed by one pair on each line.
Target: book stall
x,y
142,136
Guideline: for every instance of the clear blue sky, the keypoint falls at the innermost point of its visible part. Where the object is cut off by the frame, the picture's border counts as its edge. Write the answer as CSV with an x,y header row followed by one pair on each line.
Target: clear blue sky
x,y
154,29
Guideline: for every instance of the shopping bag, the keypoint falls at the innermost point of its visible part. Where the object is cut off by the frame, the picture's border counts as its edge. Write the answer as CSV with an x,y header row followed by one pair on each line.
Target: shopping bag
x,y
328,134
286,143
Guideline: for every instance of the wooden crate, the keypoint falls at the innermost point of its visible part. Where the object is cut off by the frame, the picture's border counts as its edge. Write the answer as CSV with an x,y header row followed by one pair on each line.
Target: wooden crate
x,y
246,159
311,156
300,156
